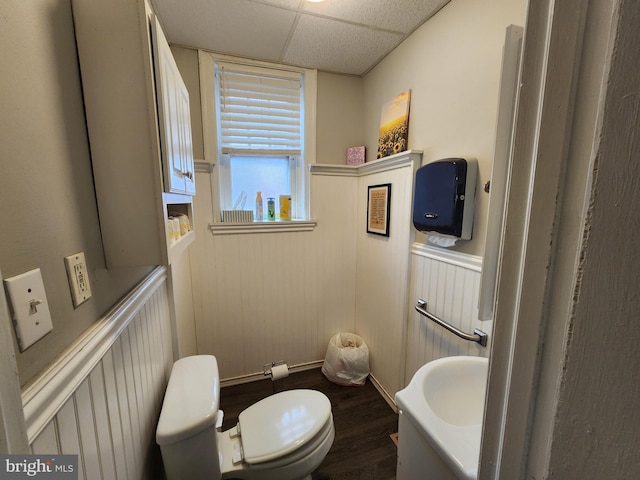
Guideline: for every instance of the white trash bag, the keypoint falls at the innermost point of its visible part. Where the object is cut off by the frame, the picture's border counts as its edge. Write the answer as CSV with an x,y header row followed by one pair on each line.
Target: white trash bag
x,y
347,360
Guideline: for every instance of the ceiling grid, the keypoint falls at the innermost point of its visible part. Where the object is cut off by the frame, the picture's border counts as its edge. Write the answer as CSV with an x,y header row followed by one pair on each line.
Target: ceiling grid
x,y
340,36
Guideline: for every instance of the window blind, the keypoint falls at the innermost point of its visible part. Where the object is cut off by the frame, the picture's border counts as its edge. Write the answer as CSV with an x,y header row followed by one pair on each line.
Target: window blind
x,y
259,110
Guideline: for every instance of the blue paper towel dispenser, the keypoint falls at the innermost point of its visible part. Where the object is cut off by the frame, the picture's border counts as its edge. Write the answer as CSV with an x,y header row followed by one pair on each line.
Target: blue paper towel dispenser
x,y
444,197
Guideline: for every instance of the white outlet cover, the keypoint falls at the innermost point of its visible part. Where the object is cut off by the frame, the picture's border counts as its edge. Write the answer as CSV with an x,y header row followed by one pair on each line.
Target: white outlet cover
x,y
78,276
30,309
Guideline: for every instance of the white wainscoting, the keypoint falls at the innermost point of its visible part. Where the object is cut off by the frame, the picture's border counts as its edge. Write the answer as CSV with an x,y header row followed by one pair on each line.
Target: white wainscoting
x,y
266,296
383,273
102,398
449,281
261,297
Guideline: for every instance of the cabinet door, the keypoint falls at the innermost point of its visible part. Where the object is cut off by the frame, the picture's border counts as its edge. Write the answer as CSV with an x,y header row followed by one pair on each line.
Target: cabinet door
x,y
186,143
174,117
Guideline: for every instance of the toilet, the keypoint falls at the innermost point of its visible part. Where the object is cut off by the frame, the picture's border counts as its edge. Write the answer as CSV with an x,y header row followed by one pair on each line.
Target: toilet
x,y
282,437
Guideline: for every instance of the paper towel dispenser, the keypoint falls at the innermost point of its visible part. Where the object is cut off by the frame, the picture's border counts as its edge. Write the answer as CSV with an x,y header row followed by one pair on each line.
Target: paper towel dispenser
x,y
444,197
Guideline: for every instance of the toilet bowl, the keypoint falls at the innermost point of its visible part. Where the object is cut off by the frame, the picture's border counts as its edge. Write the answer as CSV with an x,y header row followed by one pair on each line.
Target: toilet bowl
x,y
282,437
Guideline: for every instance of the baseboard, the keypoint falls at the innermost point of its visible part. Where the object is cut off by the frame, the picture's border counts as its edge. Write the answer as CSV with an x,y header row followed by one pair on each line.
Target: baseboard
x,y
253,377
388,398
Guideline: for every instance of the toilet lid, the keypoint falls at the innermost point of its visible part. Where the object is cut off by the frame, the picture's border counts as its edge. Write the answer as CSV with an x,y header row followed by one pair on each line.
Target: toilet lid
x,y
282,423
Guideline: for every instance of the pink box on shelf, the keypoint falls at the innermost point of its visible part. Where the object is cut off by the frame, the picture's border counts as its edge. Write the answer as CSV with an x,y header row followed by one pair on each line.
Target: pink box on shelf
x,y
355,155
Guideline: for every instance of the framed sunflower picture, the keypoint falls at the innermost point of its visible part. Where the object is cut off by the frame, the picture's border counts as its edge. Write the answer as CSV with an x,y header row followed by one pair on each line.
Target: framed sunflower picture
x,y
394,125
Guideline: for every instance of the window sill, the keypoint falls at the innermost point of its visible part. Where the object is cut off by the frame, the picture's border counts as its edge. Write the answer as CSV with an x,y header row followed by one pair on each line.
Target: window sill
x,y
228,228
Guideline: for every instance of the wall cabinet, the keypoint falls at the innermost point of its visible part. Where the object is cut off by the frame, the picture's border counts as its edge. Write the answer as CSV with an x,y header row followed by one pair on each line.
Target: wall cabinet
x,y
174,117
139,130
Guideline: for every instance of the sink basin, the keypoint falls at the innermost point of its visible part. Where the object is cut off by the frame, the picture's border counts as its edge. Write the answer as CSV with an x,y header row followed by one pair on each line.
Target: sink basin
x,y
444,403
454,388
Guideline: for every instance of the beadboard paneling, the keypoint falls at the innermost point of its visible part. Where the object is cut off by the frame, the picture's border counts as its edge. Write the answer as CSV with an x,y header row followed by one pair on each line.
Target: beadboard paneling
x,y
383,275
449,282
261,297
103,398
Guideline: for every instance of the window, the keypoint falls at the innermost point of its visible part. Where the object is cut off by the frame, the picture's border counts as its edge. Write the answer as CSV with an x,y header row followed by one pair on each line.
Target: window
x,y
259,129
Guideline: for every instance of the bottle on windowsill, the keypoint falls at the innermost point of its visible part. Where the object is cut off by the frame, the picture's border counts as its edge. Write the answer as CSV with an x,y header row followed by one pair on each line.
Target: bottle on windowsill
x,y
259,210
271,209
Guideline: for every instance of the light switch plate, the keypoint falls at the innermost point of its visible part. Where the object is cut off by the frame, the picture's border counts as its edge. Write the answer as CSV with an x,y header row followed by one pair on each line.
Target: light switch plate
x,y
30,309
78,278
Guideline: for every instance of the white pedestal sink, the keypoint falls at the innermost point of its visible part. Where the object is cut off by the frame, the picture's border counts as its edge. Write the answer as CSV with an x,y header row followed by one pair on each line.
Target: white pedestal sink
x,y
440,423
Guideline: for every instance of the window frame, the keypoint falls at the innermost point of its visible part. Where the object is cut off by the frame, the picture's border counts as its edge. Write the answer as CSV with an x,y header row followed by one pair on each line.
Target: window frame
x,y
296,180
300,176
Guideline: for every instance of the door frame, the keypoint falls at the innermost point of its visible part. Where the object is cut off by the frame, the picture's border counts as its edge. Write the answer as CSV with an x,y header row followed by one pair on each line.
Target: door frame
x,y
556,131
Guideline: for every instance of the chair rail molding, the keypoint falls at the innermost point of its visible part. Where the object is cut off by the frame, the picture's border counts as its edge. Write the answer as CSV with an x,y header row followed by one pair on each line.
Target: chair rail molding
x,y
43,398
391,162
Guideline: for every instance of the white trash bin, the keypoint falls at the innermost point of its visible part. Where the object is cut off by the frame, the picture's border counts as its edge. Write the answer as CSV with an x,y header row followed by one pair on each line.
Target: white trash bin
x,y
347,360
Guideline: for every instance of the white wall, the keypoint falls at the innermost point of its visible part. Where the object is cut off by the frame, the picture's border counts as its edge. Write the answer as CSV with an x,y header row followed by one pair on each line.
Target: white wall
x,y
452,66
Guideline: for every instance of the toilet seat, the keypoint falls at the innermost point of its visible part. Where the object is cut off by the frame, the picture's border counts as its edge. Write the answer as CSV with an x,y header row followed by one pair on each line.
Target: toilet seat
x,y
284,436
282,423
305,451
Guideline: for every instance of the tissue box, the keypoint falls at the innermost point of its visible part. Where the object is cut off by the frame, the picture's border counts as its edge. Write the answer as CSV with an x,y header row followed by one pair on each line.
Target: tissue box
x,y
355,155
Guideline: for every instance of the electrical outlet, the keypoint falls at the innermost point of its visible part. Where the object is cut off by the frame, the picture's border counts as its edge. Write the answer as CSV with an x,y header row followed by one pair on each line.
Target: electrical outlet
x,y
78,278
30,309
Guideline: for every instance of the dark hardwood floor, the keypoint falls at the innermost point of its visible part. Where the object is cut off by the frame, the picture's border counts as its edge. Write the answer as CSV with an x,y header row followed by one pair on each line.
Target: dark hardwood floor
x,y
363,421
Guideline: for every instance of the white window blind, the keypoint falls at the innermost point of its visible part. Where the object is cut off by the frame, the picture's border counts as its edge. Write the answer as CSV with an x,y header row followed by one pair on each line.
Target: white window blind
x,y
260,112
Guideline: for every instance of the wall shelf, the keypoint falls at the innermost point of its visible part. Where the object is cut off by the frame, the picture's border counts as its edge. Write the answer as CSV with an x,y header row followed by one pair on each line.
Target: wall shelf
x,y
380,165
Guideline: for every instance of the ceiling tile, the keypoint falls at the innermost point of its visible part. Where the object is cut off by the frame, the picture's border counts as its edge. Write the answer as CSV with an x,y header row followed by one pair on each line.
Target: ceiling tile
x,y
397,15
342,36
293,4
337,47
238,27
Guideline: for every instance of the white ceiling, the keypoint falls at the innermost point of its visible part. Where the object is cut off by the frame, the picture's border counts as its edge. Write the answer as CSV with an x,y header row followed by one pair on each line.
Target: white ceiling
x,y
341,36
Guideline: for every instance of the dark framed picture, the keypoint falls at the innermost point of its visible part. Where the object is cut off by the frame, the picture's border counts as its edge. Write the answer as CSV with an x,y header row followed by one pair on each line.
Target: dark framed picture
x,y
378,204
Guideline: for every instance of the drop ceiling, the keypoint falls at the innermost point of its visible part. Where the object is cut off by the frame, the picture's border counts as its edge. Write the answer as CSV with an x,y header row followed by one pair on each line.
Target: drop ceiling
x,y
340,36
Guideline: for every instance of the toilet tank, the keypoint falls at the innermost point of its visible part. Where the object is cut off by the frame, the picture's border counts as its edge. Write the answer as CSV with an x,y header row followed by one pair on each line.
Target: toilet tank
x,y
186,430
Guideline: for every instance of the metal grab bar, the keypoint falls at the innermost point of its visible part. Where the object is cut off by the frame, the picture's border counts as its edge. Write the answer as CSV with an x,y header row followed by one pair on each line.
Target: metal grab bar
x,y
477,336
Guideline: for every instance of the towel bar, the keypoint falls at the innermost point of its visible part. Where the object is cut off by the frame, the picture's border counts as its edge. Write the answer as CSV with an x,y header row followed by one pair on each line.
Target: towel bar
x,y
477,336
